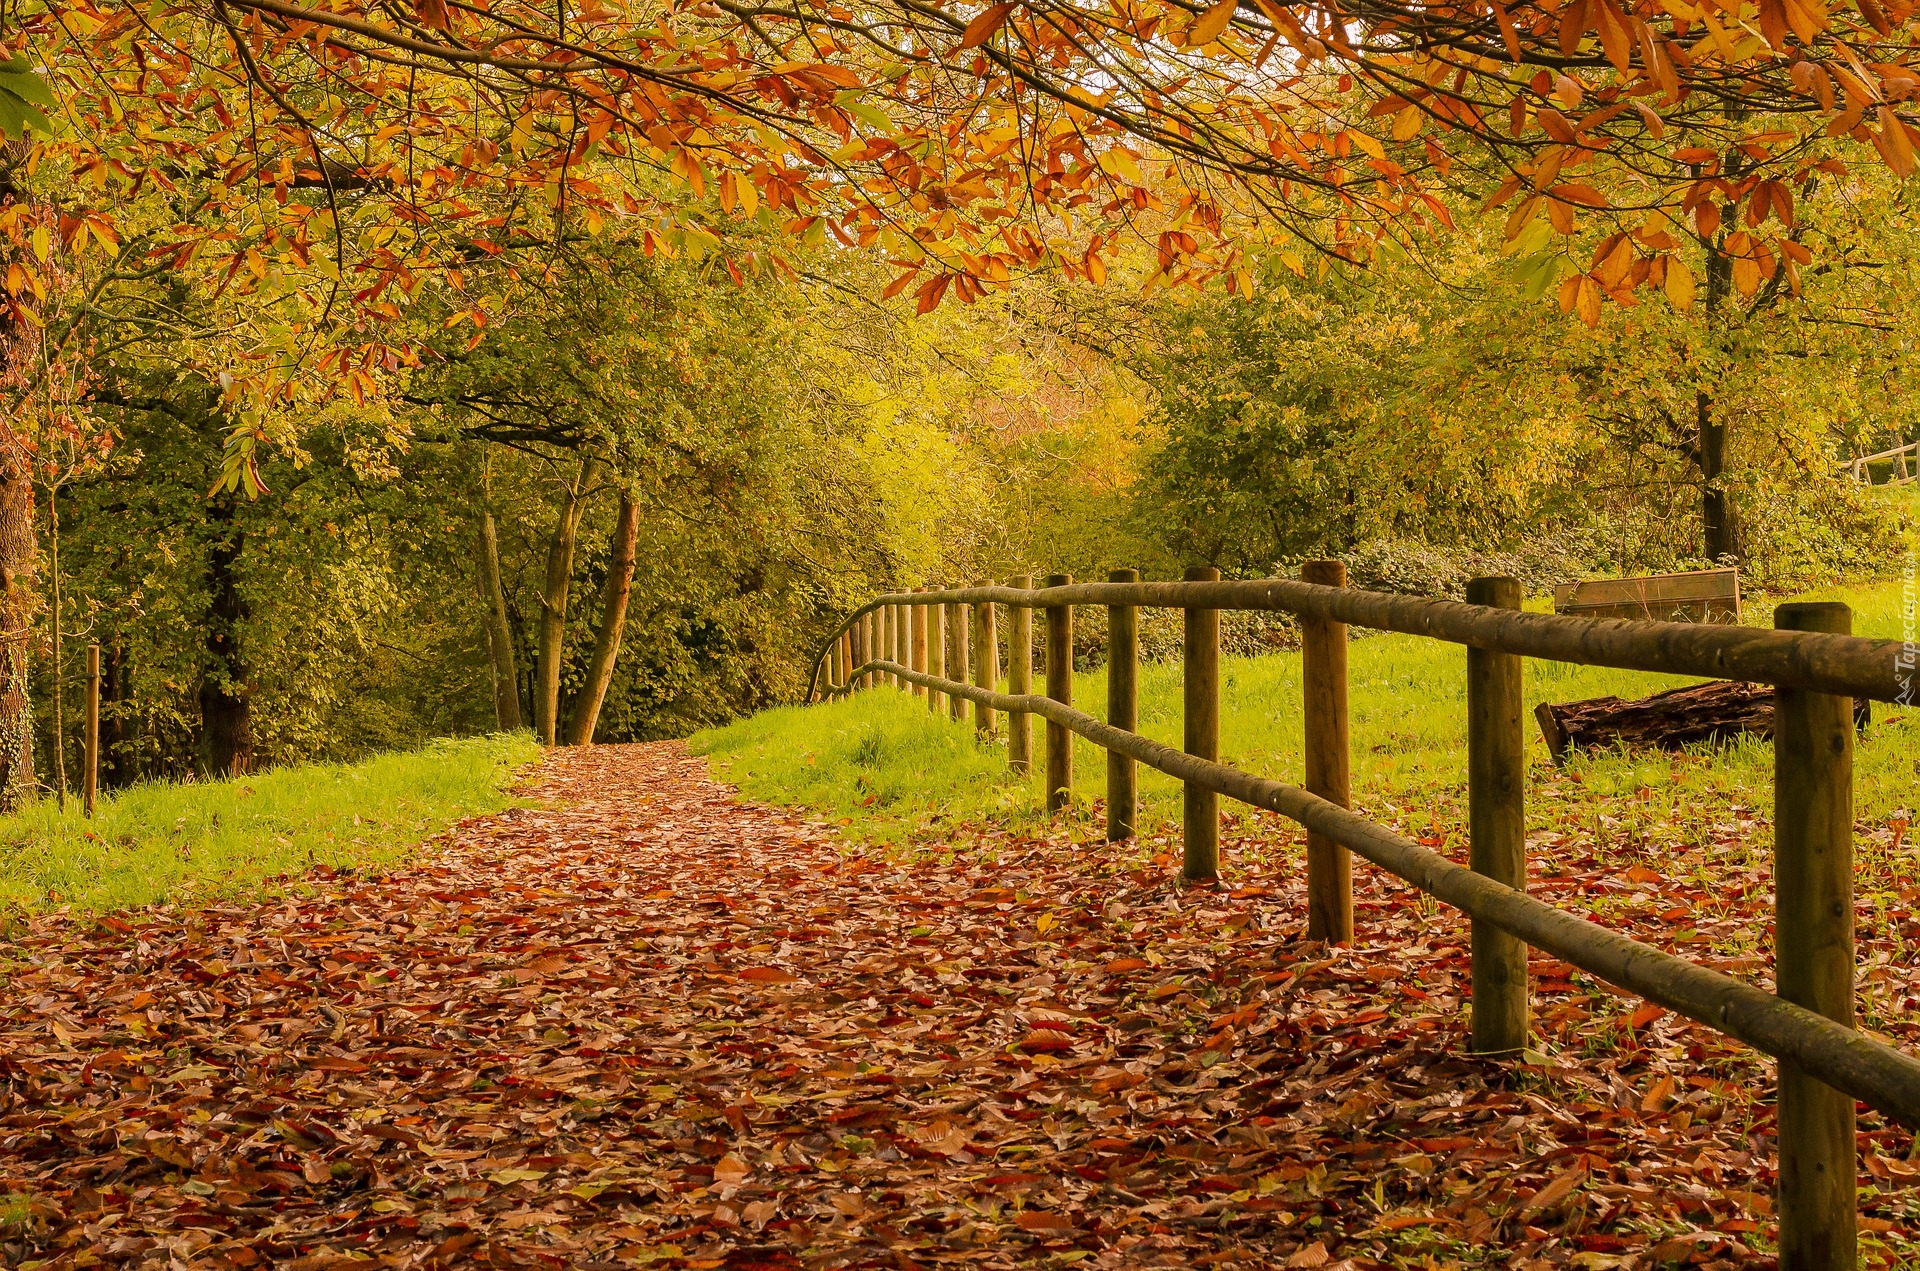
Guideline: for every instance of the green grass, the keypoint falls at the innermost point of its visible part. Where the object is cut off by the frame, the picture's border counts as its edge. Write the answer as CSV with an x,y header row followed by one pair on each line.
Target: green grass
x,y
882,764
156,843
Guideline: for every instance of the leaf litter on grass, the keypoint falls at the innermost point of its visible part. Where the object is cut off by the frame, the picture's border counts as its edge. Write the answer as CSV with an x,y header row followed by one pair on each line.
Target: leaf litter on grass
x,y
647,1025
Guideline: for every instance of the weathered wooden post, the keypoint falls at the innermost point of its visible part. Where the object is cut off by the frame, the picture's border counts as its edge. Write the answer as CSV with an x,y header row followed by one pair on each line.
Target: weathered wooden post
x,y
1123,710
1813,950
90,780
1323,673
864,646
897,642
889,640
986,662
957,659
1200,820
917,648
846,658
1060,689
1020,678
1497,825
934,621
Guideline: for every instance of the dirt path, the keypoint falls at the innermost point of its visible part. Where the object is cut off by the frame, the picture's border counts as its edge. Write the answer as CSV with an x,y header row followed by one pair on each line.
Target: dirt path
x,y
649,1025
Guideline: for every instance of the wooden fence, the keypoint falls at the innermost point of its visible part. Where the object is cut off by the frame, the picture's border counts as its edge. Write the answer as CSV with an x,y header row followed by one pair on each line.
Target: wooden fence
x,y
1810,657
1861,468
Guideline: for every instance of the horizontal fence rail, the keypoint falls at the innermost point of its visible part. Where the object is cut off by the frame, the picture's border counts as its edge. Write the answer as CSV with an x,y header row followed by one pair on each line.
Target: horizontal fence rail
x,y
1820,662
1810,658
1871,1071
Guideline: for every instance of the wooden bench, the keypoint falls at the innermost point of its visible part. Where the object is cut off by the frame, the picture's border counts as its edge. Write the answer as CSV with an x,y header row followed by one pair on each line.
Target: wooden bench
x,y
1703,595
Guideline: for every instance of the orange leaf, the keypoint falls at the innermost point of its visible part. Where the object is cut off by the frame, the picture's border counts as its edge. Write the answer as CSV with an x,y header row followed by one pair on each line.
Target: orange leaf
x,y
767,975
1646,1015
984,24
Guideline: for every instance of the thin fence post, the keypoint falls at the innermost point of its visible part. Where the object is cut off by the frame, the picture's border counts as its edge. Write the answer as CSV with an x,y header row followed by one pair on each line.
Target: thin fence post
x,y
897,641
846,658
1123,710
1200,819
957,659
932,650
1813,951
1060,689
986,663
868,645
1323,674
90,780
889,642
917,643
1497,825
1020,678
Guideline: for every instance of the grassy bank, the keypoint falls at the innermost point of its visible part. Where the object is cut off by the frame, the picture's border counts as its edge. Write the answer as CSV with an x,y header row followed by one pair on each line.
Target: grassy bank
x,y
878,761
154,843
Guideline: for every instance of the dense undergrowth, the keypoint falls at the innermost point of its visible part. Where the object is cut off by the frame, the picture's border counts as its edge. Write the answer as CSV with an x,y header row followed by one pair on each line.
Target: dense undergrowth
x,y
165,841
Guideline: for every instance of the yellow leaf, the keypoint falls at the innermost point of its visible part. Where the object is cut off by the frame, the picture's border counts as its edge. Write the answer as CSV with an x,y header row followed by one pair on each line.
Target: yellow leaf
x,y
1212,24
1045,924
1679,285
1407,124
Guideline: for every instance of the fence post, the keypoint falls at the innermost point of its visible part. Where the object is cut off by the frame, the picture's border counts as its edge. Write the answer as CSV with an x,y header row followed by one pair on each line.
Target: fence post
x,y
986,663
1323,673
957,659
1497,825
917,643
1123,710
931,648
1020,678
889,641
1060,689
1200,820
863,647
1813,950
90,780
846,658
898,654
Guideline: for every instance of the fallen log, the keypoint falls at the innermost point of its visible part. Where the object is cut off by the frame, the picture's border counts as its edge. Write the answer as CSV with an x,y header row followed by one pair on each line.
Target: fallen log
x,y
1716,711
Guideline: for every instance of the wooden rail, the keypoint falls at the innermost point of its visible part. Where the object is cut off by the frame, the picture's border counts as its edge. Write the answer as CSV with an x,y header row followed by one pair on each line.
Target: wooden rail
x,y
1814,663
1861,467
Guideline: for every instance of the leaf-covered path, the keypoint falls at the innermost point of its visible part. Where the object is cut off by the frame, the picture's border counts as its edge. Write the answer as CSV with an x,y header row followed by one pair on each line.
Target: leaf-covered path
x,y
649,1025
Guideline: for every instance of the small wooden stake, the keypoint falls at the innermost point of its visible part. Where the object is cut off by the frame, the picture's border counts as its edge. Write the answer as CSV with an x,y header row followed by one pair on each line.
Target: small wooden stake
x,y
957,659
1497,825
90,780
933,621
1200,821
1060,689
916,642
986,663
1020,678
1123,710
1813,951
1323,659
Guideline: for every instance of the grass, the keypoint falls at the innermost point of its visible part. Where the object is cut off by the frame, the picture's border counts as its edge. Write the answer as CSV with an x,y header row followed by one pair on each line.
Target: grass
x,y
882,765
150,844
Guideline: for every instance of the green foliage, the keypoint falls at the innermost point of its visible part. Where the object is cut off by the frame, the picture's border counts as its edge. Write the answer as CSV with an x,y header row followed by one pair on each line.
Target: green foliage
x,y
160,842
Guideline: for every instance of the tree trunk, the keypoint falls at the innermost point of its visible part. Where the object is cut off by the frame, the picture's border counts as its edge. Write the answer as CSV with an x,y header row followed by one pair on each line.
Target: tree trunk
x,y
116,765
17,549
1719,541
226,712
1716,711
613,621
553,606
59,653
498,634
